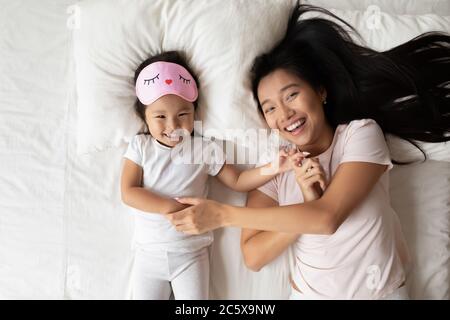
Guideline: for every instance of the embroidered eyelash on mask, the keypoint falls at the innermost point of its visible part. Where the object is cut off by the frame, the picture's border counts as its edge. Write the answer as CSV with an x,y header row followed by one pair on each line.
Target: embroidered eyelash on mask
x,y
147,81
186,81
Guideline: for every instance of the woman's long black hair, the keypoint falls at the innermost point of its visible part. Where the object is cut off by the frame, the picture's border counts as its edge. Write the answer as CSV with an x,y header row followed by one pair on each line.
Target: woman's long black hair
x,y
405,89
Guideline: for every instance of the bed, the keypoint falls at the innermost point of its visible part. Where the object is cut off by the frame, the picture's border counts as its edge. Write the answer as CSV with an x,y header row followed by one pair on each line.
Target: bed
x,y
64,232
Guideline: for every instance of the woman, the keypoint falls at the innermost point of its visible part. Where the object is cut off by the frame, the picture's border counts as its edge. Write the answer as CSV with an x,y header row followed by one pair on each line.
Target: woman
x,y
333,99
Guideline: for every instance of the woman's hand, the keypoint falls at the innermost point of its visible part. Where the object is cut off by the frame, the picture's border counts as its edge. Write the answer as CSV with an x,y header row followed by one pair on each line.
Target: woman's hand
x,y
310,176
201,216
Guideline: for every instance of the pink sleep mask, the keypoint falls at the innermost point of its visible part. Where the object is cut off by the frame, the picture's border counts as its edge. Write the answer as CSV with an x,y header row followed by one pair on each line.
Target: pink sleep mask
x,y
162,78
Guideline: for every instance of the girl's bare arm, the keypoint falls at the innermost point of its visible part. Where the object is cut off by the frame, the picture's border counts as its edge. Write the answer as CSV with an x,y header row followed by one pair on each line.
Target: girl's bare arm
x,y
143,199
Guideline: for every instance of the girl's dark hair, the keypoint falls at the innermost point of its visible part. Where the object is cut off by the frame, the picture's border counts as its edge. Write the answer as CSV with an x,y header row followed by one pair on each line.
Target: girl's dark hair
x,y
168,56
405,89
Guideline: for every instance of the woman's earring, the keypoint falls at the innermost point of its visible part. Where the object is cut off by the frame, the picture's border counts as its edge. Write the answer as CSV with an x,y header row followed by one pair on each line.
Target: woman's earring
x,y
325,101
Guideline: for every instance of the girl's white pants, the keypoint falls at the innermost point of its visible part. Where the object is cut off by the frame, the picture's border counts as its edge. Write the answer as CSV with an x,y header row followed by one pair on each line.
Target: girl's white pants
x,y
157,273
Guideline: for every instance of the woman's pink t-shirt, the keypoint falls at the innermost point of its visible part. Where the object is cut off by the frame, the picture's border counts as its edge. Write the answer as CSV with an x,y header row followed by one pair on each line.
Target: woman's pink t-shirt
x,y
366,257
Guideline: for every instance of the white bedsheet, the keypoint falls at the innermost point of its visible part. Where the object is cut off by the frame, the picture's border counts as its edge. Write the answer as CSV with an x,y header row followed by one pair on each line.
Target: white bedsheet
x,y
64,233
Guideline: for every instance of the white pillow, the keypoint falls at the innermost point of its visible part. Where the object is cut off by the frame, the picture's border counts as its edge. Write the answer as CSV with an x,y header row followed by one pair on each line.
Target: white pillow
x,y
403,151
415,7
221,39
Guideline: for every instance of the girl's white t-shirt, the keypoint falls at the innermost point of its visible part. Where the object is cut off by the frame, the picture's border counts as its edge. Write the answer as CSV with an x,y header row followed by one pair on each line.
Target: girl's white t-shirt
x,y
181,171
367,256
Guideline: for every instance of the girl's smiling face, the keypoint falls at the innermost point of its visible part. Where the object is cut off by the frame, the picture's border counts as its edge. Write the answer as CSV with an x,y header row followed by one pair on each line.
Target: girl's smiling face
x,y
166,116
293,107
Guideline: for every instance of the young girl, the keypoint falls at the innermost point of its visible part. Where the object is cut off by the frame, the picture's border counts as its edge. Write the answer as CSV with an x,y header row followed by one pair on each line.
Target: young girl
x,y
157,169
334,99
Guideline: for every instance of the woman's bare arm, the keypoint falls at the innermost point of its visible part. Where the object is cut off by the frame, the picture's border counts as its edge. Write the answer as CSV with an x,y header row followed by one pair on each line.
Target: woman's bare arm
x,y
351,184
261,247
137,197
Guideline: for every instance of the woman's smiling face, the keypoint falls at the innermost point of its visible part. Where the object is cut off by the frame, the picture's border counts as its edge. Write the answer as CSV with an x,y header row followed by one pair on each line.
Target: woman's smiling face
x,y
293,107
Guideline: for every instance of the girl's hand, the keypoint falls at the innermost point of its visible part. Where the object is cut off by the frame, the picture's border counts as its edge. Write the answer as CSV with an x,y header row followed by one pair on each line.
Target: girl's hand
x,y
310,176
201,216
283,163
